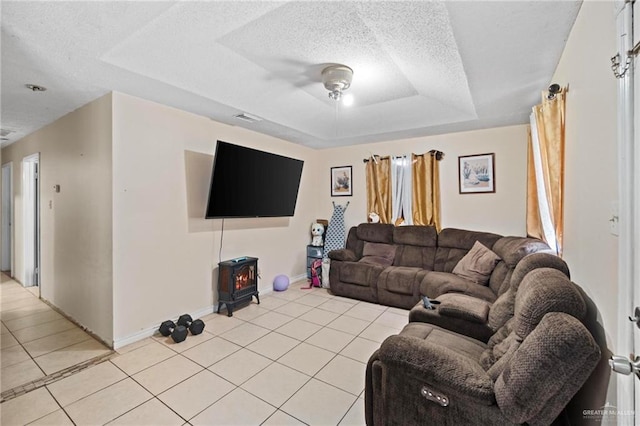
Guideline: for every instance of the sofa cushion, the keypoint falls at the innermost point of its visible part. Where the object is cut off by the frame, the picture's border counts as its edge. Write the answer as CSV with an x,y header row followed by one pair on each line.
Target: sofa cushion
x,y
438,336
478,331
493,358
401,280
503,307
375,232
415,256
453,244
415,235
545,290
378,254
477,265
359,273
513,249
354,243
500,278
436,283
376,260
344,255
464,307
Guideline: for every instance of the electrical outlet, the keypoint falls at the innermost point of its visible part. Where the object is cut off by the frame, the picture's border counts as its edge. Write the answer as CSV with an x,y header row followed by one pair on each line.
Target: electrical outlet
x,y
614,219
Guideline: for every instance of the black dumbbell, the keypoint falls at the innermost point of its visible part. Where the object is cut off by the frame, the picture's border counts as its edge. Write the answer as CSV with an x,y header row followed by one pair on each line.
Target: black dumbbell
x,y
195,327
178,333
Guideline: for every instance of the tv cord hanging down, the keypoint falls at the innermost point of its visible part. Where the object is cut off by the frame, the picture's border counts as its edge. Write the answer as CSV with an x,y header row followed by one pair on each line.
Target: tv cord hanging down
x,y
221,235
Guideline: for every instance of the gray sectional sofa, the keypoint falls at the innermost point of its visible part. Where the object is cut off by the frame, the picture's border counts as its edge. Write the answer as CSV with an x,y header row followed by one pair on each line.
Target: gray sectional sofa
x,y
395,266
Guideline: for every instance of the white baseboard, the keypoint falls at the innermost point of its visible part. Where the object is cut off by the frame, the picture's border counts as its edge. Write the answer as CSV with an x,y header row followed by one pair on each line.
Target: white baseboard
x,y
148,332
300,277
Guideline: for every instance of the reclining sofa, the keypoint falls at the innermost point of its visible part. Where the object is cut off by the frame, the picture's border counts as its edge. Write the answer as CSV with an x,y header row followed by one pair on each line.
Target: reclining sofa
x,y
396,266
527,372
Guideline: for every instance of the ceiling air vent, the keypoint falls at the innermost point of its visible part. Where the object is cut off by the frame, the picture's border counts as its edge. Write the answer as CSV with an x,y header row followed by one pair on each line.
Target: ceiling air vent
x,y
248,117
5,132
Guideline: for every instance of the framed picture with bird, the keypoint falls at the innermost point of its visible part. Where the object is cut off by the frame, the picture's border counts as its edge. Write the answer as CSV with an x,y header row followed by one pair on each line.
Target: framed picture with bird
x,y
341,181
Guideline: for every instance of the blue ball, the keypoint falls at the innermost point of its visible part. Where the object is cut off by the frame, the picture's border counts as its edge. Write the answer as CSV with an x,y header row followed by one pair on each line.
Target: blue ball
x,y
280,283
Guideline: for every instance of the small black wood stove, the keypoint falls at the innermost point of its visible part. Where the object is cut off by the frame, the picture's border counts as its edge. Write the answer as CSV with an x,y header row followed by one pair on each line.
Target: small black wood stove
x,y
237,282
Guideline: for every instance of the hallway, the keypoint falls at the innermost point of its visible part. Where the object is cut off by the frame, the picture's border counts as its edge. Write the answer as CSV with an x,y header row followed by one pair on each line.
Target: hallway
x,y
38,344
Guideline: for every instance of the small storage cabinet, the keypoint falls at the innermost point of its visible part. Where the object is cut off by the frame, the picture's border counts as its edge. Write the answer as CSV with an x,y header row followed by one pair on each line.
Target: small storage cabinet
x,y
313,253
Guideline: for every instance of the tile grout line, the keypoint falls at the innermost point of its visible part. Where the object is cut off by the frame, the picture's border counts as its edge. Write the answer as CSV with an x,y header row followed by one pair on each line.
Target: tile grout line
x,y
59,405
21,344
353,337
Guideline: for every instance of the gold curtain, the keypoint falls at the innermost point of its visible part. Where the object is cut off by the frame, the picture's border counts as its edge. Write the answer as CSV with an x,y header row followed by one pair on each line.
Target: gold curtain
x,y
379,188
550,126
426,189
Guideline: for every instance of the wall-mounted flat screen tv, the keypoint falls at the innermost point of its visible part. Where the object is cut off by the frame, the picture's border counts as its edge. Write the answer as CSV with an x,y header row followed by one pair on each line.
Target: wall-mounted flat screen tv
x,y
246,182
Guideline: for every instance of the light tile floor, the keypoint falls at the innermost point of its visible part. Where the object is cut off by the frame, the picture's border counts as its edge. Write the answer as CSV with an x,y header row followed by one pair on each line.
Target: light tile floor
x,y
36,341
297,358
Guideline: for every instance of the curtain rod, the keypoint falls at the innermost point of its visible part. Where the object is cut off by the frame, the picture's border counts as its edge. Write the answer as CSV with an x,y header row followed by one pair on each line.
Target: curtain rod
x,y
438,154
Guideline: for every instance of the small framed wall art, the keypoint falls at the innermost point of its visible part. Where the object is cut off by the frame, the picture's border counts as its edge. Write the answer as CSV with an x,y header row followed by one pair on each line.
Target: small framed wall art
x,y
341,181
476,173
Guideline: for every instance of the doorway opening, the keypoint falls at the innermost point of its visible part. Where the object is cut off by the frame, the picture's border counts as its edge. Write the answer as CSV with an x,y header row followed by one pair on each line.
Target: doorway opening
x,y
31,219
7,219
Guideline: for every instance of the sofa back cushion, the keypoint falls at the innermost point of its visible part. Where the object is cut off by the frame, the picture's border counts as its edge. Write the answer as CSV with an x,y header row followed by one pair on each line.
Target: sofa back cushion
x,y
416,235
543,290
372,232
477,265
378,253
375,232
502,309
453,244
355,244
511,250
416,246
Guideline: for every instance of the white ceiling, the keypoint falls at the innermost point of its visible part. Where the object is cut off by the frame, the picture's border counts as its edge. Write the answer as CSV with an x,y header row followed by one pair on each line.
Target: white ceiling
x,y
420,67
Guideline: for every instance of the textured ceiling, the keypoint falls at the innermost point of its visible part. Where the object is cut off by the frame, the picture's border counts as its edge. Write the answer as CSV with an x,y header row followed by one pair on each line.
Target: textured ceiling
x,y
420,67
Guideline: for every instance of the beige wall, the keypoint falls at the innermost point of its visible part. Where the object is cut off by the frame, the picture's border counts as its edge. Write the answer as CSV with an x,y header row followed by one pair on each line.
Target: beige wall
x,y
75,153
591,158
502,212
164,252
591,184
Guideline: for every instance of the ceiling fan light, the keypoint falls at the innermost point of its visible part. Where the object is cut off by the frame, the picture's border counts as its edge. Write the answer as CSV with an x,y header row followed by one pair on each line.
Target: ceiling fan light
x,y
335,95
335,79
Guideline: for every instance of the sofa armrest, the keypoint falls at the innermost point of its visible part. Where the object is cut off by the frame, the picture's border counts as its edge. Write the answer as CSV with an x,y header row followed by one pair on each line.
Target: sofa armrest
x,y
448,371
464,307
344,255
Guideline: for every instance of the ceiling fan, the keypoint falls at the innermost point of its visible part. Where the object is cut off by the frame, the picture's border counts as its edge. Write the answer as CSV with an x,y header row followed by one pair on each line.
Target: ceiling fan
x,y
336,78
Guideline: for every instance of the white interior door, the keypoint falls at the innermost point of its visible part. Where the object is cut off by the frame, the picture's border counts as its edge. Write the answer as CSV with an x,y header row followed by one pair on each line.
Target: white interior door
x,y
628,384
7,218
635,189
31,219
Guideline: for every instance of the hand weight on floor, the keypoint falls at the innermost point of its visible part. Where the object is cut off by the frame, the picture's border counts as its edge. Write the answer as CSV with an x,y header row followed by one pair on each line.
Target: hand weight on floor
x,y
178,333
195,327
